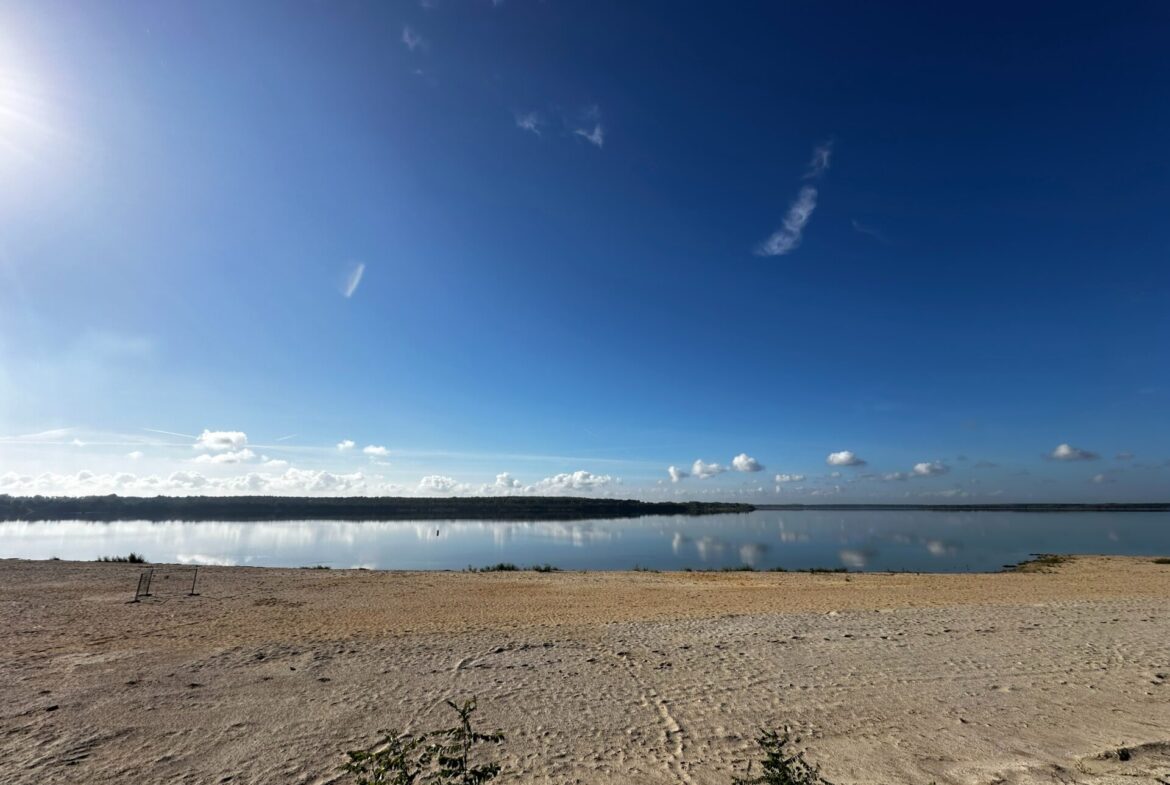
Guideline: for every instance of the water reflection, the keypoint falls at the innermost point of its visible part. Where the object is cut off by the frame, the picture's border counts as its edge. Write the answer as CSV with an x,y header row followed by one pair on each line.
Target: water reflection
x,y
925,541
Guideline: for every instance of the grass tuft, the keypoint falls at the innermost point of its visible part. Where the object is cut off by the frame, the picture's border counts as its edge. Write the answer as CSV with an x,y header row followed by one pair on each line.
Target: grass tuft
x,y
133,558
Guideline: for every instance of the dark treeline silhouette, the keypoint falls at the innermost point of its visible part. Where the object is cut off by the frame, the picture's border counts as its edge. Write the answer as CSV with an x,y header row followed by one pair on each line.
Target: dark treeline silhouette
x,y
369,508
1026,507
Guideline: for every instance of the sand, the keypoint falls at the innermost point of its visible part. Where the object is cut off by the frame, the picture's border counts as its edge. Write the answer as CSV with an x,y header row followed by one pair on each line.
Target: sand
x,y
269,675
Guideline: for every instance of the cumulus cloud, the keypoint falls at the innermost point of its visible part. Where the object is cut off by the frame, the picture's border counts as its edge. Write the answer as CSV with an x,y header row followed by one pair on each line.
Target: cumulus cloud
x,y
345,445
677,474
353,280
437,483
930,468
506,481
292,482
575,481
783,478
231,456
1066,452
895,476
787,238
703,470
274,463
595,136
744,463
412,39
844,458
220,440
375,451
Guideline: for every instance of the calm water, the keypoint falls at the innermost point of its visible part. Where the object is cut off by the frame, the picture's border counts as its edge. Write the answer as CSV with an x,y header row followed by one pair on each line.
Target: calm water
x,y
917,541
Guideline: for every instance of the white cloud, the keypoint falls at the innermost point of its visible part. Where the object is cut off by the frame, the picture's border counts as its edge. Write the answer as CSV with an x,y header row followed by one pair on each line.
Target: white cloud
x,y
820,160
844,458
787,238
375,451
594,137
437,483
233,456
575,481
744,463
529,121
220,440
136,455
275,463
896,476
677,474
928,469
506,481
1066,452
353,280
345,445
704,470
782,478
292,482
412,39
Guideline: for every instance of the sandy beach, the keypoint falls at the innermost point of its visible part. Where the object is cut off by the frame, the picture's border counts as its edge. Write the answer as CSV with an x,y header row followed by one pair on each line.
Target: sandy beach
x,y
269,675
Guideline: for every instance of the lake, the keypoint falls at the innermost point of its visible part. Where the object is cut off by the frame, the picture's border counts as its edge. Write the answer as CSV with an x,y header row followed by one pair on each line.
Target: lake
x,y
858,540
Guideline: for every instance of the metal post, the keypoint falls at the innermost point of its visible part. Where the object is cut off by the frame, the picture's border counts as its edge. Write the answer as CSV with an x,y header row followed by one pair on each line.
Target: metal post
x,y
149,579
194,578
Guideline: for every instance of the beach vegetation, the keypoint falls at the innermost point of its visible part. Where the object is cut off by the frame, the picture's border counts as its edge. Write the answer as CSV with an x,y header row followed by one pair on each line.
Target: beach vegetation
x,y
132,558
781,763
451,756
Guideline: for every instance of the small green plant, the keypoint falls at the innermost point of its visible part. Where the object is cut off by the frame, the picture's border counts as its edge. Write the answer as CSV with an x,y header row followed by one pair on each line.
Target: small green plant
x,y
319,567
545,568
1162,560
779,765
405,759
640,568
133,558
739,568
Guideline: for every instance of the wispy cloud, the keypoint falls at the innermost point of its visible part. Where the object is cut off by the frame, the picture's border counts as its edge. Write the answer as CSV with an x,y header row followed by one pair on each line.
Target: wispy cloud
x,y
412,39
820,161
529,121
865,229
345,445
353,280
787,238
596,136
375,451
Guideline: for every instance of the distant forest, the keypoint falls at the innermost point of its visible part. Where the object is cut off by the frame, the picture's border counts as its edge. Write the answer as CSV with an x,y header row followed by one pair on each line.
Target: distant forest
x,y
357,508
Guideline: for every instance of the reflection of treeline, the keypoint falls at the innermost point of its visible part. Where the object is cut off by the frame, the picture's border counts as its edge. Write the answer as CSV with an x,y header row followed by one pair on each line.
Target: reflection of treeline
x,y
257,508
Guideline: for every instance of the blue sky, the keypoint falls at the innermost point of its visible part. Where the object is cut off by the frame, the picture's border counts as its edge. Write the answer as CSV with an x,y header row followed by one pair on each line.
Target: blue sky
x,y
595,240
